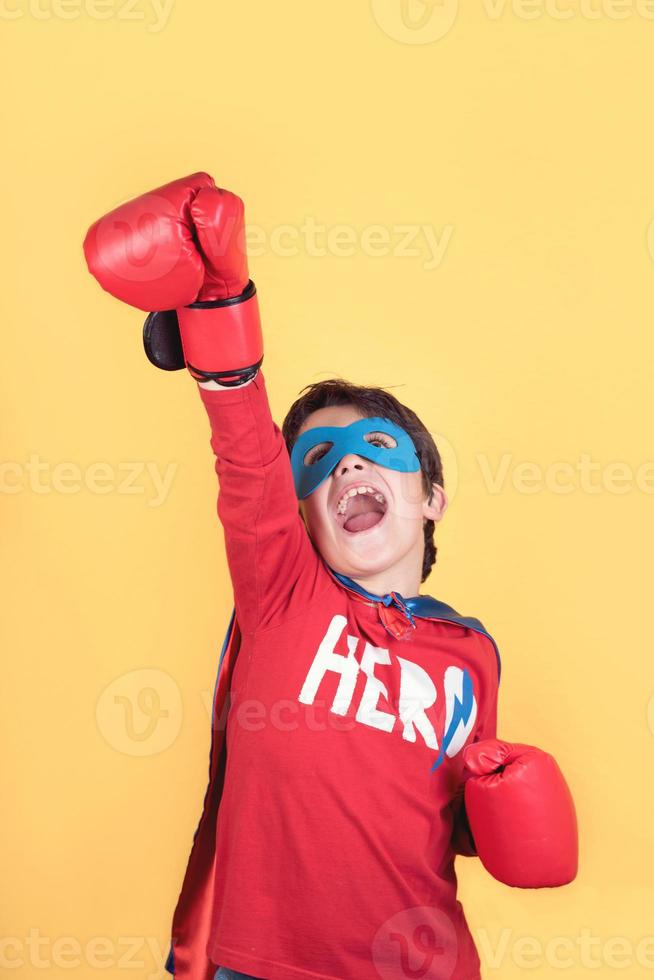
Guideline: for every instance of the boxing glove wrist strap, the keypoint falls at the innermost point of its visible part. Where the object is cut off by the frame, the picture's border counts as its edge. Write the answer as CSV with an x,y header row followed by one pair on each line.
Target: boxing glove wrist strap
x,y
217,340
222,338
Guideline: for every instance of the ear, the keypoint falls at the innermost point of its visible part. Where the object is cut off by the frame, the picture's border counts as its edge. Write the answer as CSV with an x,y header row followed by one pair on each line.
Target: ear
x,y
435,507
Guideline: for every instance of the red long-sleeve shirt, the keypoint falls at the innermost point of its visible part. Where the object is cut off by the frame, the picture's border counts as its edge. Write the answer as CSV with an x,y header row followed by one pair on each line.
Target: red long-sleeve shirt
x,y
335,840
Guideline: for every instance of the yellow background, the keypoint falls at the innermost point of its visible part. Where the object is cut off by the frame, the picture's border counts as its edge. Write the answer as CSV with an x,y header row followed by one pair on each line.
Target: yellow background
x,y
527,142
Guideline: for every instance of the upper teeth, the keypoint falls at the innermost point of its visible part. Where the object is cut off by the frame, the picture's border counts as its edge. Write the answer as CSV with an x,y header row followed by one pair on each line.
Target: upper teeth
x,y
352,492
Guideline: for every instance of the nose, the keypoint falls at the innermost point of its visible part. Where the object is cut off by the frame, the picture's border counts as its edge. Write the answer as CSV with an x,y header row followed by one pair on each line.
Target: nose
x,y
349,462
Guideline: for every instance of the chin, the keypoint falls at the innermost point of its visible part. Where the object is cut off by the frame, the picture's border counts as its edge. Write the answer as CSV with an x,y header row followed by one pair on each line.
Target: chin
x,y
365,557
366,552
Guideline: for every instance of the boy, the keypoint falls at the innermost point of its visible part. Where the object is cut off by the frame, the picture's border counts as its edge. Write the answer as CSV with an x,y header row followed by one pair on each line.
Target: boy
x,y
335,804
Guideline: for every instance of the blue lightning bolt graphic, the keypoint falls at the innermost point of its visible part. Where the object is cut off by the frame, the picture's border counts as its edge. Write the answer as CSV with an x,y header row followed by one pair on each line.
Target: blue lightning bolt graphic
x,y
461,713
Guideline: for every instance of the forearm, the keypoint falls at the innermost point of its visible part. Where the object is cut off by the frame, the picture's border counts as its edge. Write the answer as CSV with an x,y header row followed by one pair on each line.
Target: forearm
x,y
462,840
266,543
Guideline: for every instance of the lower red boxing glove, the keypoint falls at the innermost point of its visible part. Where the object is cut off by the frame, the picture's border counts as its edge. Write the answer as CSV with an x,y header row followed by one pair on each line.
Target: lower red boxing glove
x,y
521,814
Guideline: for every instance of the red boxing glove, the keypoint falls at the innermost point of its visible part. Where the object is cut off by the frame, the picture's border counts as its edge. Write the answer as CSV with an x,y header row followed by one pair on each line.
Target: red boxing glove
x,y
521,814
180,251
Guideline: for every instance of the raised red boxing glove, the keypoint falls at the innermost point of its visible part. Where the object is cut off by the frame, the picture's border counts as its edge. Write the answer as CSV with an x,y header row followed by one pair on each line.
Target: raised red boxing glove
x,y
521,814
179,251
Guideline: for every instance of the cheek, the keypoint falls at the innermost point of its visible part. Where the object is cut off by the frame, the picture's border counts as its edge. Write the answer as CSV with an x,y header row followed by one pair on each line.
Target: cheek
x,y
407,492
314,510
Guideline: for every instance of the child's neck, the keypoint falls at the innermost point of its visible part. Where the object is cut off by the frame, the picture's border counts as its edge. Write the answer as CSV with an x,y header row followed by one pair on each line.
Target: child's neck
x,y
397,578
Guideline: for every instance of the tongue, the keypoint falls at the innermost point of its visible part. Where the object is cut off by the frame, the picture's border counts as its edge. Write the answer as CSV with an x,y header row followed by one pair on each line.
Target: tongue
x,y
361,522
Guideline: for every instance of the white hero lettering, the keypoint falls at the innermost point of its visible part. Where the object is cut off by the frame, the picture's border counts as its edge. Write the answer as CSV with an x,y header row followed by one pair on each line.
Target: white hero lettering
x,y
418,692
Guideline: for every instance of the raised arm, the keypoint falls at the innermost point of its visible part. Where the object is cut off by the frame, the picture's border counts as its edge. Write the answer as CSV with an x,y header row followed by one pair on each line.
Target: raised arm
x,y
179,253
271,559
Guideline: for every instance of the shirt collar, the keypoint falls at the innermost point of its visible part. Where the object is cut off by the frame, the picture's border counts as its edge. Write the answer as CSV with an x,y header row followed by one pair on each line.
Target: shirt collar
x,y
422,606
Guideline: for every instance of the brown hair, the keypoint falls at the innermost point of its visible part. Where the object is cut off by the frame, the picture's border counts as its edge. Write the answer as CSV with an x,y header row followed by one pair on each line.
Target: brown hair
x,y
370,402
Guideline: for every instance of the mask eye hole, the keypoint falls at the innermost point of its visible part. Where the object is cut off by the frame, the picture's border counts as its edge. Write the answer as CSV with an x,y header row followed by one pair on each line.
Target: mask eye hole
x,y
382,439
316,452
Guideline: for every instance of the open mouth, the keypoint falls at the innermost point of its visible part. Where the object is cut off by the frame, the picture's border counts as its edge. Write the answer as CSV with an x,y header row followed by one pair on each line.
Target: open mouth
x,y
360,508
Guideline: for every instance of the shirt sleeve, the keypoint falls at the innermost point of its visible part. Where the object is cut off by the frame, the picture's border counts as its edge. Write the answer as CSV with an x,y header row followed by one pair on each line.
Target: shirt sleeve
x,y
272,562
462,840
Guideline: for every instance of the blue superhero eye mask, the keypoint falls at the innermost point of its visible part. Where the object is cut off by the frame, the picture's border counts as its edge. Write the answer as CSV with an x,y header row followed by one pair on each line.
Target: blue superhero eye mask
x,y
318,450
